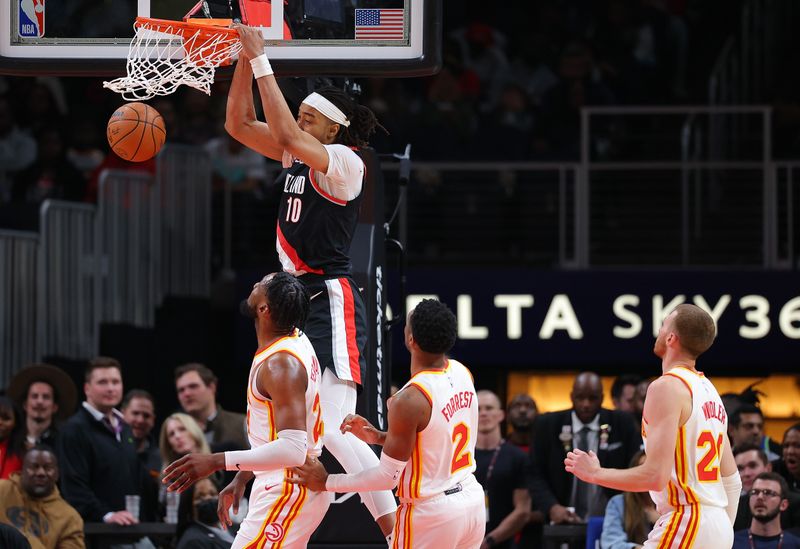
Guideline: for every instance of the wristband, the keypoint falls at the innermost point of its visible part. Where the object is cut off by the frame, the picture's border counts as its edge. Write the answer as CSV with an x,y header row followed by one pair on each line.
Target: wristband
x,y
261,66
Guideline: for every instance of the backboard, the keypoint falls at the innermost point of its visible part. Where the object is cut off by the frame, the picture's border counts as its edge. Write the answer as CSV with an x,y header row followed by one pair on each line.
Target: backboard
x,y
330,37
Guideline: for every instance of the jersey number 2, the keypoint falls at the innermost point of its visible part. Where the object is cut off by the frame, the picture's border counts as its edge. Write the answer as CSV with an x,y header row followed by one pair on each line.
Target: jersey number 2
x,y
461,456
293,209
708,466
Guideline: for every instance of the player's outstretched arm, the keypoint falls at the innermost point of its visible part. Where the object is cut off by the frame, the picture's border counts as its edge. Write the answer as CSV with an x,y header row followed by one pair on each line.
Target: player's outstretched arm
x,y
240,114
284,379
731,480
282,123
665,399
409,413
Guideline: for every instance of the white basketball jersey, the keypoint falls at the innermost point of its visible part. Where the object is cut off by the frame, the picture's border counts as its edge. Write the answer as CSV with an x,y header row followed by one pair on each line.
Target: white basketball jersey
x,y
444,452
696,477
260,415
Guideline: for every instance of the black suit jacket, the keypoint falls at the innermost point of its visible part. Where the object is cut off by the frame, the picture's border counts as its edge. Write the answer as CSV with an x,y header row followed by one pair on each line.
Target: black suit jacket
x,y
97,471
550,483
198,536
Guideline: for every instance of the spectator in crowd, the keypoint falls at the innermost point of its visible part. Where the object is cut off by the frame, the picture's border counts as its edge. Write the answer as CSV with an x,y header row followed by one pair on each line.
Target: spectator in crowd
x,y
196,386
52,175
83,152
30,502
181,435
99,465
12,436
500,469
767,500
747,426
623,392
11,538
17,149
205,530
46,394
522,412
139,411
611,434
233,164
629,517
751,462
789,464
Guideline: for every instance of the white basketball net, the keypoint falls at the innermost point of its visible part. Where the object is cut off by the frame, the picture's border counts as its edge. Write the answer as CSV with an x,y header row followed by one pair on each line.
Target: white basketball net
x,y
155,66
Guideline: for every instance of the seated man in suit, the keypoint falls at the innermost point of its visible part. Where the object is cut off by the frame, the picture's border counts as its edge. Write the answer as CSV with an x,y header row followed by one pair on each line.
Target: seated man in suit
x,y
610,433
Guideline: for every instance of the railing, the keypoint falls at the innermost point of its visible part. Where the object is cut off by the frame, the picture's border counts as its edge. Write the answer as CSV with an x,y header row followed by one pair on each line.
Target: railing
x,y
67,292
114,262
129,247
18,258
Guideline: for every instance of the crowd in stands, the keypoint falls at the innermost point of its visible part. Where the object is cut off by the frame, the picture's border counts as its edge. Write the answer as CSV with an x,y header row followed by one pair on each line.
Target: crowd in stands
x,y
64,464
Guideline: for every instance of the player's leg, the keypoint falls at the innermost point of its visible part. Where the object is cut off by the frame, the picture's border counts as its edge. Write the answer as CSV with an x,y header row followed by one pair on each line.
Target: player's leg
x,y
337,328
337,399
679,528
285,514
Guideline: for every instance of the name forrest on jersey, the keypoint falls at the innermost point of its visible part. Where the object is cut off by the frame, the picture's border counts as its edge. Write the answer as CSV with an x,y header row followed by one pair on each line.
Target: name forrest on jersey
x,y
458,401
294,184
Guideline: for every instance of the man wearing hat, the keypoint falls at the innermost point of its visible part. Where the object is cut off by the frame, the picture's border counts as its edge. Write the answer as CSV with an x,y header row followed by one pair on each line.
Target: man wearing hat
x,y
46,394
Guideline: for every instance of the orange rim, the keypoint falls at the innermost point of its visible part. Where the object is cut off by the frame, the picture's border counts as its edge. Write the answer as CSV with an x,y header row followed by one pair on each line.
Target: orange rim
x,y
206,27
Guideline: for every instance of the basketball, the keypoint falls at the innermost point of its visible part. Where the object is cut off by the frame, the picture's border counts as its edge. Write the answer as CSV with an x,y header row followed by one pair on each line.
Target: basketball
x,y
136,132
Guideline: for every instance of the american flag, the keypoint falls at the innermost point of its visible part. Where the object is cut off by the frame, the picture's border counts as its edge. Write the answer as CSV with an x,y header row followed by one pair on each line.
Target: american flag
x,y
379,24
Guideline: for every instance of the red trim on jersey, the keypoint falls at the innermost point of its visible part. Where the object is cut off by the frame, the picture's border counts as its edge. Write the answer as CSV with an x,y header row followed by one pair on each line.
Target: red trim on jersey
x,y
298,263
337,201
683,380
423,391
350,330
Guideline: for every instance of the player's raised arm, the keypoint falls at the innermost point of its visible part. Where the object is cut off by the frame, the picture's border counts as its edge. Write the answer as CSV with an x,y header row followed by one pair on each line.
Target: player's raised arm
x,y
240,114
666,399
409,413
283,126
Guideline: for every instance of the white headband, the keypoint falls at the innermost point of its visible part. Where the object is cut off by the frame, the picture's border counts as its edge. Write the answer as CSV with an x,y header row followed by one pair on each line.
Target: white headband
x,y
327,108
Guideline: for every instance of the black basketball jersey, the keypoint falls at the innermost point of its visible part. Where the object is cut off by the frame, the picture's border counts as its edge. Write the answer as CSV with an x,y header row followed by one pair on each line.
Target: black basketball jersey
x,y
315,229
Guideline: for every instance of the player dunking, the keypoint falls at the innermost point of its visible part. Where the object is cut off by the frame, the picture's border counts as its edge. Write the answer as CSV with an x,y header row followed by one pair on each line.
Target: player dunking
x,y
322,192
283,425
689,471
429,449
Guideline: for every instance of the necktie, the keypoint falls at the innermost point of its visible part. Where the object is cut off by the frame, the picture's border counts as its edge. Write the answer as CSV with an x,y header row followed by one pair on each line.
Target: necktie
x,y
582,489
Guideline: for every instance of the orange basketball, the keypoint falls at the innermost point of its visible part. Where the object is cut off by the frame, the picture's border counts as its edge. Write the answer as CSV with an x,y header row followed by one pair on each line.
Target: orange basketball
x,y
136,132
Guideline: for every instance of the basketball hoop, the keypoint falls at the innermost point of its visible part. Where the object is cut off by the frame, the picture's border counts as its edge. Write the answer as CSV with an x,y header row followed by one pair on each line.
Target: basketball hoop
x,y
155,65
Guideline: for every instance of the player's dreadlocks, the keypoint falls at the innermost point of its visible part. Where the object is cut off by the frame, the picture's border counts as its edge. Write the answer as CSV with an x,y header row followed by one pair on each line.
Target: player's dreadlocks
x,y
363,122
433,326
288,302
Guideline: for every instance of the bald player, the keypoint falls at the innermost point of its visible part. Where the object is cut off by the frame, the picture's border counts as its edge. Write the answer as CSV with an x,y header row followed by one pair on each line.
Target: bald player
x,y
690,470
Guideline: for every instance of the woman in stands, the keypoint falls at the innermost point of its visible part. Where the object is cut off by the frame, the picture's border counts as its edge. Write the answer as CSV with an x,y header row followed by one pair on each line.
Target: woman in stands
x,y
629,517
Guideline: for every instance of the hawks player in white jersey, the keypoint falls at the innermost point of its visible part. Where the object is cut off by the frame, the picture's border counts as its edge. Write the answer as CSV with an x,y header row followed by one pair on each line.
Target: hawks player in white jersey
x,y
690,470
429,448
283,424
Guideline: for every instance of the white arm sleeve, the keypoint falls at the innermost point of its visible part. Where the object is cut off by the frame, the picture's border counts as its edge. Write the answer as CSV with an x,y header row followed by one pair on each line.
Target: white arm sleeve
x,y
288,450
382,477
345,174
733,488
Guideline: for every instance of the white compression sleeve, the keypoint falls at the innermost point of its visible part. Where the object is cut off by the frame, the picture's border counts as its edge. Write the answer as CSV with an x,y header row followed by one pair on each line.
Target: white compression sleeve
x,y
733,488
382,477
288,450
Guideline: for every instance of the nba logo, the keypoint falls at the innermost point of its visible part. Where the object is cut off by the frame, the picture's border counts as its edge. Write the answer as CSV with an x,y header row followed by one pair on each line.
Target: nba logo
x,y
31,18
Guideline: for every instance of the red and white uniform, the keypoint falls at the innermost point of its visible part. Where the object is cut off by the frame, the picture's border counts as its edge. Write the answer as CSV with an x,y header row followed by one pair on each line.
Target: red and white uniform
x,y
692,506
282,514
441,503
